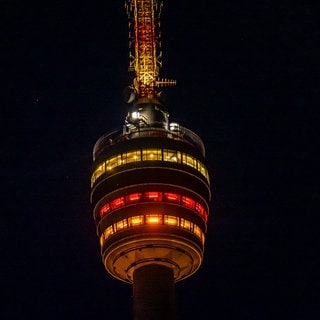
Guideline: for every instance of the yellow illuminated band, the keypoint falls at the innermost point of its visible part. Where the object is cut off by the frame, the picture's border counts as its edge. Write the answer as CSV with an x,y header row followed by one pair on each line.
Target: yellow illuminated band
x,y
150,219
152,154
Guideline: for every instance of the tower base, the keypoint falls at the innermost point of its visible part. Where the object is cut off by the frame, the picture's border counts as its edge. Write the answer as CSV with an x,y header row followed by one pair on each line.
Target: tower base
x,y
153,293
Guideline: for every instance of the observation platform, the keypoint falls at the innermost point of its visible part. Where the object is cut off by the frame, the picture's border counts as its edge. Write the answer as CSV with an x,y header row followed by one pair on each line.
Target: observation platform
x,y
128,132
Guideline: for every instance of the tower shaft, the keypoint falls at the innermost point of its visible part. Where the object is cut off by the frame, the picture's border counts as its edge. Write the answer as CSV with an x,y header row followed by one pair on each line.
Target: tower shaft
x,y
153,293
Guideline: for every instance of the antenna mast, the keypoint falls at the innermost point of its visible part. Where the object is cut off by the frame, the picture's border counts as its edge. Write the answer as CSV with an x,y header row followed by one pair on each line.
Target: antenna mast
x,y
145,47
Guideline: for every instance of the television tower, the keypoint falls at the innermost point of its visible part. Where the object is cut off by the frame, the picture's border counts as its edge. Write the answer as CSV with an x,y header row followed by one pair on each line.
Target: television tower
x,y
150,188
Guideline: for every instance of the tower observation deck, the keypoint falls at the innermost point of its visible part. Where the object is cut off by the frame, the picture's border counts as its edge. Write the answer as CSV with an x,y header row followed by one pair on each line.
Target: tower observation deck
x,y
150,188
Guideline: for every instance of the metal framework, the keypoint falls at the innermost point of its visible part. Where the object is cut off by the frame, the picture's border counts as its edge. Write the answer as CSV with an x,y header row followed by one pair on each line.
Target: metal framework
x,y
144,38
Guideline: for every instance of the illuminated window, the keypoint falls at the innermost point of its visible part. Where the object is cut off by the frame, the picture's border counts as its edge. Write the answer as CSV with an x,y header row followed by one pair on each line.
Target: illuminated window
x,y
132,156
151,154
104,210
202,237
123,224
197,231
188,202
116,203
108,232
171,220
154,218
203,170
185,224
133,197
113,162
207,176
171,155
200,209
135,221
189,160
171,197
153,196
98,172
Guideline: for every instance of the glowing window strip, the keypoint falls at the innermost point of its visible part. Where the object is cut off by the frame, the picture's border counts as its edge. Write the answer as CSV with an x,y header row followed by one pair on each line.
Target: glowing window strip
x,y
132,156
171,220
186,224
134,197
171,197
188,202
152,219
153,196
113,162
105,210
120,225
149,155
171,155
135,221
189,160
117,203
98,172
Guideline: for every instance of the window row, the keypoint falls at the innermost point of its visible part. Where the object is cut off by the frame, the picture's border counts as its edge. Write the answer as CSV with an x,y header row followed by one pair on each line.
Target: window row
x,y
149,154
154,196
152,219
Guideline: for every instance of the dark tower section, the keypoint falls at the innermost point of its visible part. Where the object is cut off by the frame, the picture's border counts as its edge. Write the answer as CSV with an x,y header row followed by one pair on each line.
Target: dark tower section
x,y
150,188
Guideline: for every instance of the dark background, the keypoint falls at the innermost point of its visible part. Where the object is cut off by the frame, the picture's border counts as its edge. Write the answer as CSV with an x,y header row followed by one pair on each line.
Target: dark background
x,y
247,82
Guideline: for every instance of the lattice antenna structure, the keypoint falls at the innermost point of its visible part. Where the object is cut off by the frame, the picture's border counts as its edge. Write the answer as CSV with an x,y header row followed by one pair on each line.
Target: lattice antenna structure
x,y
145,52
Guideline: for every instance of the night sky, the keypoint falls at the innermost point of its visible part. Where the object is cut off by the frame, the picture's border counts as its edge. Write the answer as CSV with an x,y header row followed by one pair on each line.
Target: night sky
x,y
247,82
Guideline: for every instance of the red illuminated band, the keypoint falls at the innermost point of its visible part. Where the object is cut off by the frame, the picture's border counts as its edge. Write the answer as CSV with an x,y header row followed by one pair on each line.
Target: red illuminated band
x,y
153,196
